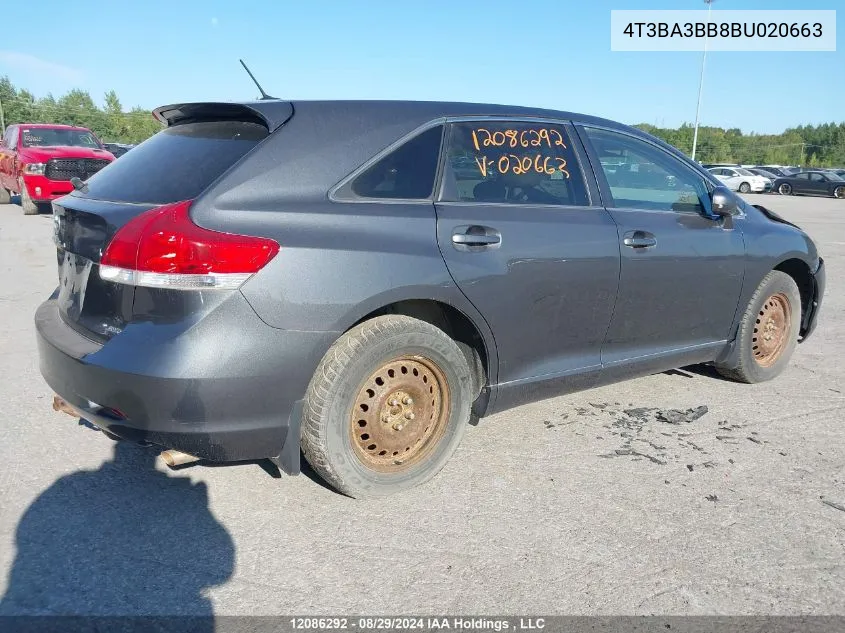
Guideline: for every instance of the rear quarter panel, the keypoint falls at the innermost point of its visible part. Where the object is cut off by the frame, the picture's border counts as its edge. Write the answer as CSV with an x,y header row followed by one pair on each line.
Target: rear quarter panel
x,y
339,261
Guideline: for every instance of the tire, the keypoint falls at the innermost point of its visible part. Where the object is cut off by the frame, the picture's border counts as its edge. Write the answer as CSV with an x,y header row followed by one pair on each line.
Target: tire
x,y
839,192
352,418
5,196
29,207
744,187
785,189
768,331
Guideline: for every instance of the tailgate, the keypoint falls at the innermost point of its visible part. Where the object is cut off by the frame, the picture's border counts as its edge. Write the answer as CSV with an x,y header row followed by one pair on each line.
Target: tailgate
x,y
81,229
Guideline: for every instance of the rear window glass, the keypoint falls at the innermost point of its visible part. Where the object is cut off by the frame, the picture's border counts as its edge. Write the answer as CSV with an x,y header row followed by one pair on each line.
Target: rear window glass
x,y
177,163
406,173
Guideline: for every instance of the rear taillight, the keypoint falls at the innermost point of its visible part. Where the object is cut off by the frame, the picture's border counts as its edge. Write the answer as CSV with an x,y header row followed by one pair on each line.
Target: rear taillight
x,y
163,248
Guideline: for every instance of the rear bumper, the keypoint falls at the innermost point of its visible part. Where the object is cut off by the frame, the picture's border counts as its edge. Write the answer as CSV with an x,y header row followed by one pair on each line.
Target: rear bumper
x,y
225,388
811,315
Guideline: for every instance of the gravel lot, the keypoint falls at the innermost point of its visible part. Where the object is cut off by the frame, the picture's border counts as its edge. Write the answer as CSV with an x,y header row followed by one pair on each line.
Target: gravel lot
x,y
569,506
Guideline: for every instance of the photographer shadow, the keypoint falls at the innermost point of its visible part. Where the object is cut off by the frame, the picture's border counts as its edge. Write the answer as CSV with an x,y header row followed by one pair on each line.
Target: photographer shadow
x,y
122,540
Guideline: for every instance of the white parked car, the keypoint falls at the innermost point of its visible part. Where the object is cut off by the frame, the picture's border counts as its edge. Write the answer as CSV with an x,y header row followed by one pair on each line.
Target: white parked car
x,y
740,179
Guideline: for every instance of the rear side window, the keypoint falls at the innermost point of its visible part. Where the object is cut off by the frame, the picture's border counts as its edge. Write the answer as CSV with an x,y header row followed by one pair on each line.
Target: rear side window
x,y
406,173
177,163
505,162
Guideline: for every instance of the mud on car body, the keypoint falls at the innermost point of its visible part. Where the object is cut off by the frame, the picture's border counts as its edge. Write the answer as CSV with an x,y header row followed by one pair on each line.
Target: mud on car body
x,y
338,278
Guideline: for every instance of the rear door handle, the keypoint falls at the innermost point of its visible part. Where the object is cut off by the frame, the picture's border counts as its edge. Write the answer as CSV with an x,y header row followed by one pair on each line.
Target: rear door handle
x,y
475,235
639,239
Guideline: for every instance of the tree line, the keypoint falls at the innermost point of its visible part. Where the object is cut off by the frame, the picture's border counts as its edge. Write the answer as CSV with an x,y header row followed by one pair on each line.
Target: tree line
x,y
109,122
806,145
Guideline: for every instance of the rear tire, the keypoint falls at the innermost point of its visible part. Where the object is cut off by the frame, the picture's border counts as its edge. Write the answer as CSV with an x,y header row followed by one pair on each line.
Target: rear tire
x,y
785,189
28,205
744,187
387,406
768,331
5,196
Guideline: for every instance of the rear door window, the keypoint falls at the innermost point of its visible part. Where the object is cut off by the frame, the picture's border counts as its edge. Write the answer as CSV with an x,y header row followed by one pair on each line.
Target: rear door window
x,y
510,162
176,164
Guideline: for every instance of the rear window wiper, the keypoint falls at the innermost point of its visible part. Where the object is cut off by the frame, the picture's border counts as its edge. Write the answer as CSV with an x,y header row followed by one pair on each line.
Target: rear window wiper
x,y
78,184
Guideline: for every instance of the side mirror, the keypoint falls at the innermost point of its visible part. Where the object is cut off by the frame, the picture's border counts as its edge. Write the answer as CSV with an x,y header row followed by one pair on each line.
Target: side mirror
x,y
723,202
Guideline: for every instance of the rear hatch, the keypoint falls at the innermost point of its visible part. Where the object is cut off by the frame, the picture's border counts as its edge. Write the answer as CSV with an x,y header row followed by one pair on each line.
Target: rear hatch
x,y
201,143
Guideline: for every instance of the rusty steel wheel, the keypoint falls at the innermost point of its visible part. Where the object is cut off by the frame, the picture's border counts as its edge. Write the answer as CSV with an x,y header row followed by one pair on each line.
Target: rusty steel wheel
x,y
399,414
767,333
774,323
387,406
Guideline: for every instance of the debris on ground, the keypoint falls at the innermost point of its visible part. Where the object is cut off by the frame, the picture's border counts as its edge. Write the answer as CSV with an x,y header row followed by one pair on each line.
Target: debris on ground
x,y
754,439
674,416
712,498
836,506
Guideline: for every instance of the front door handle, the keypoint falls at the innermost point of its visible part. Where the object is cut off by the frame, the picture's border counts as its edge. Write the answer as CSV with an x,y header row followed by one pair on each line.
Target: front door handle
x,y
639,239
475,235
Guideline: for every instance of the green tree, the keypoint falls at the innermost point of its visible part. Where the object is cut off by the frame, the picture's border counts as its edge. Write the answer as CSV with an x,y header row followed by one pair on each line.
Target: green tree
x,y
78,108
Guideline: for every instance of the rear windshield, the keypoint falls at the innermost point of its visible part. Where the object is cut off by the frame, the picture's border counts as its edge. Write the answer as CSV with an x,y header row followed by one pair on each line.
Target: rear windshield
x,y
177,163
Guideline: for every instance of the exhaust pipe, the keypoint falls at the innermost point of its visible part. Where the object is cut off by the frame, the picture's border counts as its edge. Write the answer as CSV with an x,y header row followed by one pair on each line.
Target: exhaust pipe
x,y
59,404
178,458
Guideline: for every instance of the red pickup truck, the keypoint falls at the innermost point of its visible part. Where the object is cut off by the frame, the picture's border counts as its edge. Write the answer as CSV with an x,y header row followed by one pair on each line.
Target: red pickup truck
x,y
38,160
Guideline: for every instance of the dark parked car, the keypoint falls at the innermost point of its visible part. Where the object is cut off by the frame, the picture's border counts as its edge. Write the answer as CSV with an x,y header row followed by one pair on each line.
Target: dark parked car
x,y
811,182
777,171
263,277
118,149
764,173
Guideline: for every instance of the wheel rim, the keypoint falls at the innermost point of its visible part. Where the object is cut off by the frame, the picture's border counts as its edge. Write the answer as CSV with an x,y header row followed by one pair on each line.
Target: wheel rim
x,y
784,189
744,188
400,414
839,192
771,331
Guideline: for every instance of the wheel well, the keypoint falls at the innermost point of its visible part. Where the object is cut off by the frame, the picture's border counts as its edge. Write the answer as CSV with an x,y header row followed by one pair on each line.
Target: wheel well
x,y
453,322
800,273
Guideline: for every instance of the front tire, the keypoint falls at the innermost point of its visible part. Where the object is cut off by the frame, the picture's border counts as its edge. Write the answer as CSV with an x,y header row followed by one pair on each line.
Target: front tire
x,y
768,331
387,406
785,189
28,205
744,187
839,192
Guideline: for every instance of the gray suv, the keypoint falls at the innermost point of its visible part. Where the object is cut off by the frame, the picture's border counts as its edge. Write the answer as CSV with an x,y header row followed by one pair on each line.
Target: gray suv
x,y
357,281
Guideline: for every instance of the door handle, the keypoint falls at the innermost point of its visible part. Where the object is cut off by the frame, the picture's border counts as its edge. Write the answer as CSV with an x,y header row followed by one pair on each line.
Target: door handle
x,y
639,239
475,235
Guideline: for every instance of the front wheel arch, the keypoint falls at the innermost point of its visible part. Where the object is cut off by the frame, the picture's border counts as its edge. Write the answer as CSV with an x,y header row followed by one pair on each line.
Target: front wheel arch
x,y
801,274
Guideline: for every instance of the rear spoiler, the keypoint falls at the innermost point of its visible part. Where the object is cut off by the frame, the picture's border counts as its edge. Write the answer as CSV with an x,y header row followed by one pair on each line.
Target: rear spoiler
x,y
272,114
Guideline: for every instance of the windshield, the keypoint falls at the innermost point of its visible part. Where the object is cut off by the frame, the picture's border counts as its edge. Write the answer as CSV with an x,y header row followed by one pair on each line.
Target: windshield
x,y
745,172
835,176
54,137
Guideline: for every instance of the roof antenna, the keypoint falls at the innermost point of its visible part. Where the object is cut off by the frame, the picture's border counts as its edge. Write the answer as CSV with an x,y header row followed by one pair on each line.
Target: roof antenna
x,y
264,95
